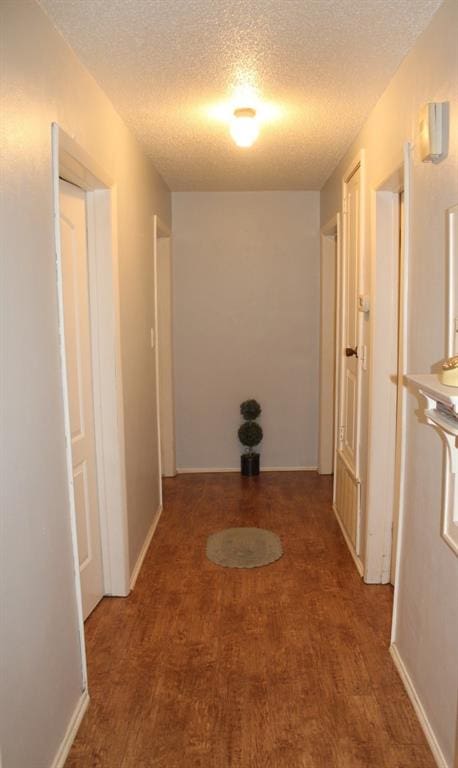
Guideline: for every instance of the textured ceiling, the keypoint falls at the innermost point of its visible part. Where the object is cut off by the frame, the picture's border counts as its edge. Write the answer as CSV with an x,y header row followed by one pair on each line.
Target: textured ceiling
x,y
173,69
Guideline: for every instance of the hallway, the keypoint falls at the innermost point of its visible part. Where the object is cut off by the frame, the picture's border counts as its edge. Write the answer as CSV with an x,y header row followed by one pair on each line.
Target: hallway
x,y
285,666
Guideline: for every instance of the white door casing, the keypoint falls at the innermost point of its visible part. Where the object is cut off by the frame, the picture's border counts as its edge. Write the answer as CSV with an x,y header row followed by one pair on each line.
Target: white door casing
x,y
452,278
382,516
70,161
77,333
399,403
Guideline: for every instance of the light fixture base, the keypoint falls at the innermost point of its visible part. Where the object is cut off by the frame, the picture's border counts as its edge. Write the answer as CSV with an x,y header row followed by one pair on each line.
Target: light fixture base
x,y
245,112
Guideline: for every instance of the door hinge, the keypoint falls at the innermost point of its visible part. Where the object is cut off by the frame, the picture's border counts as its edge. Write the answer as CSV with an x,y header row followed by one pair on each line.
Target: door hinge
x,y
341,434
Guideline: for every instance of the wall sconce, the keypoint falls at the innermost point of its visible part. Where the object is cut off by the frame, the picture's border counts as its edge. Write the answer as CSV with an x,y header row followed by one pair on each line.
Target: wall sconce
x,y
434,132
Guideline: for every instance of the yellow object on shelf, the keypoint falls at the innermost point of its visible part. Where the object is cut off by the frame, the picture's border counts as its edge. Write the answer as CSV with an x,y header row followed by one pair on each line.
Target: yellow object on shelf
x,y
449,373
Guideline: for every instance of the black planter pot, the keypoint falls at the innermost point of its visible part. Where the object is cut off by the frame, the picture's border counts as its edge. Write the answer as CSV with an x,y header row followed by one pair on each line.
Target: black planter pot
x,y
250,464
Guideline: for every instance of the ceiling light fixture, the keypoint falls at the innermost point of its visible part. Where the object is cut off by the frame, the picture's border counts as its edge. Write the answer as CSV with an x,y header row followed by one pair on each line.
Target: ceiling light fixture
x,y
244,126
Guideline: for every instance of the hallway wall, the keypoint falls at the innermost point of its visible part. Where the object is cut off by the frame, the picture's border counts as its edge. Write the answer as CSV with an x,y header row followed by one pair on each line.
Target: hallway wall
x,y
42,81
246,286
427,629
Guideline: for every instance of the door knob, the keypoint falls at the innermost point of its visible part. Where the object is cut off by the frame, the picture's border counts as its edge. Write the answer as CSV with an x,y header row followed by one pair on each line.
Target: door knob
x,y
350,351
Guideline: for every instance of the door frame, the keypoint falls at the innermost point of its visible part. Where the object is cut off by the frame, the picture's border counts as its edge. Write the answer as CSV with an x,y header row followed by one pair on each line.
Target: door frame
x,y
166,433
160,229
71,162
329,319
388,348
452,278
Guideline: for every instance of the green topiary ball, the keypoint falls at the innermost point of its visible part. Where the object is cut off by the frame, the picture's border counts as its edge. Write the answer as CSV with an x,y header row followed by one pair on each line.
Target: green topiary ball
x,y
250,434
250,409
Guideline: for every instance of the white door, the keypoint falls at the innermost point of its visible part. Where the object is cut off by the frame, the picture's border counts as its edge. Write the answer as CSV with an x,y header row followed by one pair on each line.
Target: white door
x,y
399,393
347,469
350,324
80,395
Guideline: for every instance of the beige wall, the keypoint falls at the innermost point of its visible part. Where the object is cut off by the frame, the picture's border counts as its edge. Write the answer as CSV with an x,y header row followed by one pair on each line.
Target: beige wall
x,y
246,283
428,607
40,675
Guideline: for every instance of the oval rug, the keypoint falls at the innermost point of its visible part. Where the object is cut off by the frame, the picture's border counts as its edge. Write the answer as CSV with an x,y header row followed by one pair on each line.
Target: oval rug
x,y
244,547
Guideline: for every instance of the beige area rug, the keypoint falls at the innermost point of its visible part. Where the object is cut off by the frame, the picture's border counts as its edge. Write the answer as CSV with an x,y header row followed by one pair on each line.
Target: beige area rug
x,y
243,547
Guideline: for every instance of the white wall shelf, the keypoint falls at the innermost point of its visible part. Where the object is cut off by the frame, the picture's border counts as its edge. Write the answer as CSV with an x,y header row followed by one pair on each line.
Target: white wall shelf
x,y
441,412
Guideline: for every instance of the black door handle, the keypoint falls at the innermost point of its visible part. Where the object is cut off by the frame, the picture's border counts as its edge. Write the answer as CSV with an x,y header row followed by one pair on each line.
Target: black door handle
x,y
350,351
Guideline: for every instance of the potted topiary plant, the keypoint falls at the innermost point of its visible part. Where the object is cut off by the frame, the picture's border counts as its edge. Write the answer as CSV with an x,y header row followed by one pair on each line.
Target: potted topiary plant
x,y
250,435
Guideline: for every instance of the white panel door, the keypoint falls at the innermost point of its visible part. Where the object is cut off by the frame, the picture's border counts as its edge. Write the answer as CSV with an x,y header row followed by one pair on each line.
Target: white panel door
x,y
347,491
80,393
350,325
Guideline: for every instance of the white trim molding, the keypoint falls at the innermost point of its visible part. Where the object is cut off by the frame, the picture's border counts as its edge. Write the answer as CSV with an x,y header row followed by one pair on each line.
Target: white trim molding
x,y
329,266
71,162
142,554
289,469
156,364
402,368
215,470
386,369
452,278
56,169
72,730
418,707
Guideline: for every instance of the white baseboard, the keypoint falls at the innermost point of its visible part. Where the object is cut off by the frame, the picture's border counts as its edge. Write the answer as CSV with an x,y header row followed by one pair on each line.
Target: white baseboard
x,y
289,469
214,470
72,730
358,563
205,470
144,549
418,707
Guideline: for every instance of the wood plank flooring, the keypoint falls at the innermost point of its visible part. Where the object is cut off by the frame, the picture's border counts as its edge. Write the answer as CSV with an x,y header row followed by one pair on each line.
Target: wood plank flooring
x,y
285,666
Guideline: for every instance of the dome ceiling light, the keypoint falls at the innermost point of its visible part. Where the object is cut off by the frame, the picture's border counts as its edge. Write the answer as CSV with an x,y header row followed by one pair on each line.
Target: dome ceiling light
x,y
244,126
